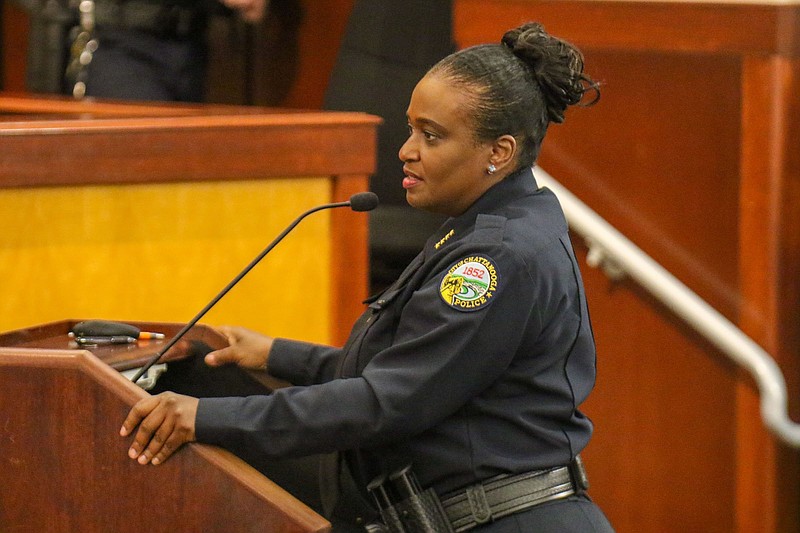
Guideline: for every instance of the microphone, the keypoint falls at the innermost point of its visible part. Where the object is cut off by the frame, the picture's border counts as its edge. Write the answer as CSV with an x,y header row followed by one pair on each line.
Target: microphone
x,y
363,201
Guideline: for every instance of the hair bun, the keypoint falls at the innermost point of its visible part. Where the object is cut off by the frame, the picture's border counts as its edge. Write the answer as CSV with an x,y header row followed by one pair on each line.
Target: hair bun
x,y
556,65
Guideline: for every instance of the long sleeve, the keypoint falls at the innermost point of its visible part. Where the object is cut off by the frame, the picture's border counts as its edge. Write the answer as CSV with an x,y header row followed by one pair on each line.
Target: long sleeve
x,y
303,363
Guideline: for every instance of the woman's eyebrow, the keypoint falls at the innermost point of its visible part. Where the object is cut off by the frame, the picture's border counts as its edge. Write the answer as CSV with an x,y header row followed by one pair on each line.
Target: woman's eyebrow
x,y
422,121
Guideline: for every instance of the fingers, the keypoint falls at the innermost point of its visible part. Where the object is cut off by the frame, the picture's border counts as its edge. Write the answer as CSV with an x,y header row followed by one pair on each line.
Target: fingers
x,y
248,349
165,423
232,334
229,353
222,356
137,414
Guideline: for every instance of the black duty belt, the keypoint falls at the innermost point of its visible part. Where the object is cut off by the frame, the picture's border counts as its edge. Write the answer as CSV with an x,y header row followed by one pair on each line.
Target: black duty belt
x,y
499,497
160,19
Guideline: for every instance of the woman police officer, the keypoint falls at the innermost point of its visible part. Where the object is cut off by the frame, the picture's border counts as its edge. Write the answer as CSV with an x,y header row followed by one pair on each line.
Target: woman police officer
x,y
471,367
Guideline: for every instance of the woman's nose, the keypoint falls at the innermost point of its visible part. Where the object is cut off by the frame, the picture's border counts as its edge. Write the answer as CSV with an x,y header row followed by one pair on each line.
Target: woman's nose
x,y
407,151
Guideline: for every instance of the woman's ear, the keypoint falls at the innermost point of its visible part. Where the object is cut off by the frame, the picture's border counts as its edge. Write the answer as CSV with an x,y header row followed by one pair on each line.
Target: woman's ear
x,y
504,152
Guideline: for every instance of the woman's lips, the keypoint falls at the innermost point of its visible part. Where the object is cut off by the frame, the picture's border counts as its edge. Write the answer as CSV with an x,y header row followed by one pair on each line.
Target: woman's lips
x,y
410,180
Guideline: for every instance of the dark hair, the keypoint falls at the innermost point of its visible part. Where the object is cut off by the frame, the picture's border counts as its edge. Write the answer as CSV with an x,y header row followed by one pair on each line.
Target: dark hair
x,y
520,85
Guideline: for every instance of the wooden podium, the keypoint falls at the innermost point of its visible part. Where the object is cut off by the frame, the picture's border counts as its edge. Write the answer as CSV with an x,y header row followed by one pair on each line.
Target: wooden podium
x,y
65,467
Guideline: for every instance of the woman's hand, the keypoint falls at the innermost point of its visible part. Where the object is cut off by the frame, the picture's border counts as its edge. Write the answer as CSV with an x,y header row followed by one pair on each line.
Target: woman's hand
x,y
248,349
165,421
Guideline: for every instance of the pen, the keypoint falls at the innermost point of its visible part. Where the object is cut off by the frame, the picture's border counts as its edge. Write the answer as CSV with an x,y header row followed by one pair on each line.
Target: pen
x,y
150,335
111,339
142,335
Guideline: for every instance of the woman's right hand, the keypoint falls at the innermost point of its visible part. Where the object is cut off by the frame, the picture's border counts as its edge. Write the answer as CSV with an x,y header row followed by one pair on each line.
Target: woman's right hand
x,y
247,349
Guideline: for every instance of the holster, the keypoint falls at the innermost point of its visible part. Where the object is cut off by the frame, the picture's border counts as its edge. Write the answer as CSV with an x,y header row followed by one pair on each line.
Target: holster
x,y
406,508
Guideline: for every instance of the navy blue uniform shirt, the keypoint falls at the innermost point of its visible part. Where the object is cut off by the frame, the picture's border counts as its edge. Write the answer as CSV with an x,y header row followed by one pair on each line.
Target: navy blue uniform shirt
x,y
473,364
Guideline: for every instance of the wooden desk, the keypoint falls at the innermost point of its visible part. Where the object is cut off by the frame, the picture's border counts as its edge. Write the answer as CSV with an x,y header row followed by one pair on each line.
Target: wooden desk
x,y
145,212
692,152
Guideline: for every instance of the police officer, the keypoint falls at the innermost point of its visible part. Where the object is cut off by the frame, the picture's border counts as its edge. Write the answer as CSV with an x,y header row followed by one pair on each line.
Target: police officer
x,y
125,49
155,49
471,368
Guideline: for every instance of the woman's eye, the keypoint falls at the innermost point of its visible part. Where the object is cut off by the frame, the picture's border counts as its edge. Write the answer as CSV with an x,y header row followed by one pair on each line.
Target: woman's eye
x,y
429,136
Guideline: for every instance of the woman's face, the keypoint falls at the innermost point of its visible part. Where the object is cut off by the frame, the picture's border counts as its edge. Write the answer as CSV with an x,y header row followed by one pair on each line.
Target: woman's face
x,y
444,166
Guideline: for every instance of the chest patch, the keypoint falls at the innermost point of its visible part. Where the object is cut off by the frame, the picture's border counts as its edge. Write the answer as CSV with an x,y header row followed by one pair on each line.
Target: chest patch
x,y
470,283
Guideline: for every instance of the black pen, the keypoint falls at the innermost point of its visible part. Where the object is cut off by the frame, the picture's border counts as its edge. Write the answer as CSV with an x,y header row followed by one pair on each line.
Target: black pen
x,y
112,339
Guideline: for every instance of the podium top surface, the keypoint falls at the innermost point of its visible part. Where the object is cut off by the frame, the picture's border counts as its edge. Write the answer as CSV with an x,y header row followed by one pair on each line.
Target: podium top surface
x,y
55,336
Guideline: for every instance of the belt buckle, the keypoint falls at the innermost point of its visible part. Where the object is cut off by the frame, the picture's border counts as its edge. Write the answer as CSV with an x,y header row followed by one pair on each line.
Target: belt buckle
x,y
478,505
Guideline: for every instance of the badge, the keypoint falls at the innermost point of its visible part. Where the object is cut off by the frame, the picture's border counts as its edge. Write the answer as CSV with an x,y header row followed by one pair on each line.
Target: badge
x,y
470,283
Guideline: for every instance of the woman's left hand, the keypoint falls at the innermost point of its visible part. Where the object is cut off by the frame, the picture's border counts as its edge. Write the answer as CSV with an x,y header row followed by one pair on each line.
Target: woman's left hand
x,y
165,421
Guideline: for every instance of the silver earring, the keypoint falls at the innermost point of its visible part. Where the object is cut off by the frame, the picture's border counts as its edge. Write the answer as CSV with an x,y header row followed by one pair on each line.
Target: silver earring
x,y
492,169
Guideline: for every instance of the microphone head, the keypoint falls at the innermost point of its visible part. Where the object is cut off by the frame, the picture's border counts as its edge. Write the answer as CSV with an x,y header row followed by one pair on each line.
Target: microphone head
x,y
364,201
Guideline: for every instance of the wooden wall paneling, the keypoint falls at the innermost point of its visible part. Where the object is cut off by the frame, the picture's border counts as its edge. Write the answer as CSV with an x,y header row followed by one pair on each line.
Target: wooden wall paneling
x,y
769,264
642,159
666,25
14,33
351,257
656,386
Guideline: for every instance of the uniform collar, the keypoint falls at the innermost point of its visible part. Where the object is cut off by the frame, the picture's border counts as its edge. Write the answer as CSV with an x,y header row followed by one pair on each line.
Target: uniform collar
x,y
516,185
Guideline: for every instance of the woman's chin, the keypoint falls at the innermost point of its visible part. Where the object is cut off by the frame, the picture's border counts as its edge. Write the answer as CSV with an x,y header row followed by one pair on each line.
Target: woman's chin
x,y
416,200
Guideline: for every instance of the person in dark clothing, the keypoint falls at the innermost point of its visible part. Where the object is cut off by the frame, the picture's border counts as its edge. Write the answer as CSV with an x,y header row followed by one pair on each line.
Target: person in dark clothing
x,y
153,49
125,49
471,367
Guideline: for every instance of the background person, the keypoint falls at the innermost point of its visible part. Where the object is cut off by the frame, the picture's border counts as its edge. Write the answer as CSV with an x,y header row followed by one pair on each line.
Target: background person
x,y
473,364
125,49
156,50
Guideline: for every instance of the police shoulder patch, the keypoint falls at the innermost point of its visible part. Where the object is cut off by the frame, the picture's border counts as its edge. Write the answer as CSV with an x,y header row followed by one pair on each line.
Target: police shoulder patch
x,y
470,283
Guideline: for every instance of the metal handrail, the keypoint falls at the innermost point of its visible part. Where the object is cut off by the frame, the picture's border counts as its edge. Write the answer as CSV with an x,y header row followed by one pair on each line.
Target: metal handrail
x,y
618,256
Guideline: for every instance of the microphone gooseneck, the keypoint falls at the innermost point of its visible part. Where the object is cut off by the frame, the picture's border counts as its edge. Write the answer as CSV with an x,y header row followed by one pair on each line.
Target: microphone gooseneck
x,y
363,201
